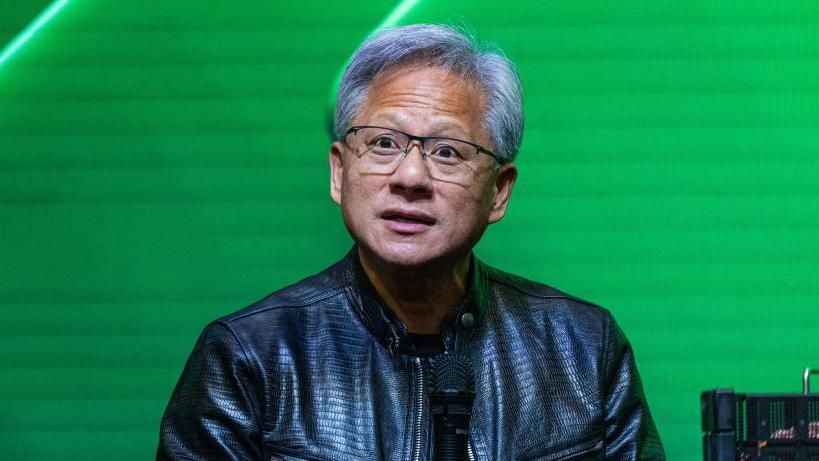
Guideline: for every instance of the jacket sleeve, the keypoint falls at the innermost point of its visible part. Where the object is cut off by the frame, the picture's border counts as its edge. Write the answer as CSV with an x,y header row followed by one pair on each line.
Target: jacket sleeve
x,y
213,412
630,430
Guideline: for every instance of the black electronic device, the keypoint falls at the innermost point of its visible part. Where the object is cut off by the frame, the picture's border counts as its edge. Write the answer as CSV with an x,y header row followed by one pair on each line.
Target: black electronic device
x,y
761,427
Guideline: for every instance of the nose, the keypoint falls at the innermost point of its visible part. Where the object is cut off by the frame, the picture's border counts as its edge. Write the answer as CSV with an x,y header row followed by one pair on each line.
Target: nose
x,y
411,177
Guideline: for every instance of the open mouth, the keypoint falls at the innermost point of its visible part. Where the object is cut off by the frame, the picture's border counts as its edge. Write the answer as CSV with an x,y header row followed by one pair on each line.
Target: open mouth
x,y
408,217
407,222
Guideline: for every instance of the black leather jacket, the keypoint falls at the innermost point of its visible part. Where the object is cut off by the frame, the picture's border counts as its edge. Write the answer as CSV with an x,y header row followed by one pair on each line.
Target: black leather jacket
x,y
322,371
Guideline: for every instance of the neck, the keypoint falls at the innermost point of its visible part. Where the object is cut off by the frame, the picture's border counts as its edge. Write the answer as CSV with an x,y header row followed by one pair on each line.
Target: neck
x,y
419,297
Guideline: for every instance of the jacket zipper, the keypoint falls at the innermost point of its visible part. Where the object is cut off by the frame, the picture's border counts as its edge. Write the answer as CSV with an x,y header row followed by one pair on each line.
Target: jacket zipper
x,y
470,455
578,454
419,410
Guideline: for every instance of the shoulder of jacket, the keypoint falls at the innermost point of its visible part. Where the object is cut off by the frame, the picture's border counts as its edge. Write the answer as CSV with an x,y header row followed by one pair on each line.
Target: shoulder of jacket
x,y
304,293
540,294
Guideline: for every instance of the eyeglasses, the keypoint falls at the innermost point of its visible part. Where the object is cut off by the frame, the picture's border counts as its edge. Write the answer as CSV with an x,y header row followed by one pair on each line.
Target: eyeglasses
x,y
382,149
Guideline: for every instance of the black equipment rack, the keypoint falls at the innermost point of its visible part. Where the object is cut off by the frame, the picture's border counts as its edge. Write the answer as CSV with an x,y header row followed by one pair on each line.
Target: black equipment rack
x,y
761,427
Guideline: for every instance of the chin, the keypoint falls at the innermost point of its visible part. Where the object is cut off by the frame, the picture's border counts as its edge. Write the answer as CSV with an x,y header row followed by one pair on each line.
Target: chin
x,y
411,255
406,255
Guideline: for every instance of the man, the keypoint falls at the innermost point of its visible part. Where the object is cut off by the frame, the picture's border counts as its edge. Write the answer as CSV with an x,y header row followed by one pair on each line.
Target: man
x,y
337,365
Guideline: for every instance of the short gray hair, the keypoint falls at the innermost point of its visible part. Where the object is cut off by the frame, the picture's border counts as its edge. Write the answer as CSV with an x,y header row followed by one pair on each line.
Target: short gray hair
x,y
451,49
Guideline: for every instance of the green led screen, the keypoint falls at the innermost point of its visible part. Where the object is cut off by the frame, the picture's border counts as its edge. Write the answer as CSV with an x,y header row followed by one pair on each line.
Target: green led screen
x,y
165,163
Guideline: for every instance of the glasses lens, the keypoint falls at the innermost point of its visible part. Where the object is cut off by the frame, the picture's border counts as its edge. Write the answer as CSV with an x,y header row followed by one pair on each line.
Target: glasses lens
x,y
384,143
451,159
380,148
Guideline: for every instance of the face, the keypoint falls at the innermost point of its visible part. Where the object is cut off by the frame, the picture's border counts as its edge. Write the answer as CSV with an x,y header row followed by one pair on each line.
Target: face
x,y
407,218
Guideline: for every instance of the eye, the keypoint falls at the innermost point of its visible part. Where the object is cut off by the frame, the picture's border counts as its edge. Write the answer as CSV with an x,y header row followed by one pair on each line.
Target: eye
x,y
446,152
384,143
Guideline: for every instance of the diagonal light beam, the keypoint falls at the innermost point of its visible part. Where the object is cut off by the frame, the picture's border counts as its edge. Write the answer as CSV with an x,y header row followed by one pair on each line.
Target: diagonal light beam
x,y
396,14
392,19
25,35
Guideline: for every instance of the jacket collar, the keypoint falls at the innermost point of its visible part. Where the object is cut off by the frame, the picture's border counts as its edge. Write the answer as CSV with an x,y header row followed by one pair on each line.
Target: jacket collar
x,y
391,332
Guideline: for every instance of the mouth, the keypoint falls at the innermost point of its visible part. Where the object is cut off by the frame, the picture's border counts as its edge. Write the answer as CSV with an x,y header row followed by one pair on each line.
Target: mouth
x,y
407,221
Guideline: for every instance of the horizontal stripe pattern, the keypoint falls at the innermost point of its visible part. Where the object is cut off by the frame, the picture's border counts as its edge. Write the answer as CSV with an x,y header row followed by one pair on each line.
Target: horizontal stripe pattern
x,y
164,163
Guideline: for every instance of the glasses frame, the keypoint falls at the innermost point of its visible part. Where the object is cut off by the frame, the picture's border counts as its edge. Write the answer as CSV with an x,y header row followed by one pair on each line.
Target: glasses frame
x,y
479,148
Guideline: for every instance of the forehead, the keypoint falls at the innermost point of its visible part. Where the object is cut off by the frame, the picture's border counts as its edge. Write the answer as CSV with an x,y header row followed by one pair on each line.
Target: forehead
x,y
424,101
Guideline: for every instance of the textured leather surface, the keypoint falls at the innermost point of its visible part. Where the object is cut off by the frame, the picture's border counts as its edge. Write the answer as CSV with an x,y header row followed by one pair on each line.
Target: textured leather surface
x,y
322,371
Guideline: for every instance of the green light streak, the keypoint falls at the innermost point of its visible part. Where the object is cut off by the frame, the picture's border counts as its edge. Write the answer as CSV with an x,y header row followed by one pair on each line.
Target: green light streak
x,y
25,35
403,8
392,19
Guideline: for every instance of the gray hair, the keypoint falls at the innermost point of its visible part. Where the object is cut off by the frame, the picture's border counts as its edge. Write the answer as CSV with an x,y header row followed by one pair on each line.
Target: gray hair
x,y
448,48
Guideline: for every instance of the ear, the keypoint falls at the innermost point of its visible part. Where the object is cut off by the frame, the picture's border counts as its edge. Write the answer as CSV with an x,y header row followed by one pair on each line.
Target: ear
x,y
336,171
505,179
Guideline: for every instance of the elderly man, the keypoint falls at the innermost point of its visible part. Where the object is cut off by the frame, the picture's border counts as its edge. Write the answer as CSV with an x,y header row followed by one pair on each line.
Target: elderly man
x,y
338,366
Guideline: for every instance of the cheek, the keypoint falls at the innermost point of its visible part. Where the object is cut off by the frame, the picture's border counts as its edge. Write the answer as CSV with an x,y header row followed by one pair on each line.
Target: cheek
x,y
482,197
468,209
351,184
357,194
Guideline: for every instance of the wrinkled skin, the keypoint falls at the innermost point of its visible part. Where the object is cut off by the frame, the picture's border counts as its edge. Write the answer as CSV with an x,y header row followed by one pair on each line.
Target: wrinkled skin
x,y
408,219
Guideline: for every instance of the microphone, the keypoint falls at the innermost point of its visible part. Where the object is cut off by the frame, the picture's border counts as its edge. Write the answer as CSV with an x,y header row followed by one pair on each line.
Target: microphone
x,y
450,400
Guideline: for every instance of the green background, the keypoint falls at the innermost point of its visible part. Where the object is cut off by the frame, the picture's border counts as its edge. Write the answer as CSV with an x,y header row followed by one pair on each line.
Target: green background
x,y
163,163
